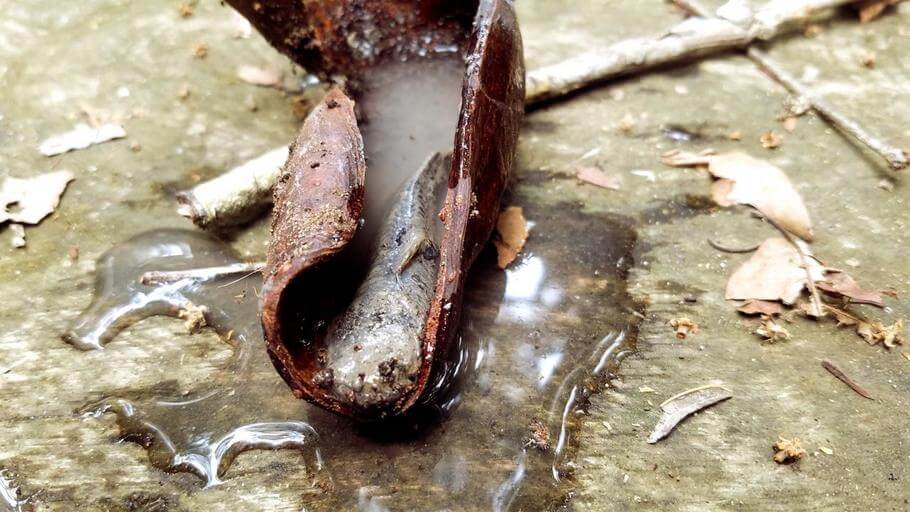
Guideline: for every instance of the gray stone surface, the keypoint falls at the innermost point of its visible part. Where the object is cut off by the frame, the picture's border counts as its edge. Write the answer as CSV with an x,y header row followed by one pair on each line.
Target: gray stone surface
x,y
58,58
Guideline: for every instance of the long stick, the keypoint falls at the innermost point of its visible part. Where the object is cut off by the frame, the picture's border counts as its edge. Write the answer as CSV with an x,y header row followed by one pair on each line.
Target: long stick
x,y
694,37
897,158
201,274
237,195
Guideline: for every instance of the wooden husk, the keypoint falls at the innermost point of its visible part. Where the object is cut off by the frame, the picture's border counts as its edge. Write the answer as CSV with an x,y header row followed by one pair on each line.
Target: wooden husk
x,y
317,208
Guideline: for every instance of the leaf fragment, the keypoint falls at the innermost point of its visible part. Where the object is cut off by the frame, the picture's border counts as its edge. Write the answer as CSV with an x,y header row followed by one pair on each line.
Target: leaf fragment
x,y
754,182
761,307
595,176
677,408
773,273
29,200
839,284
772,331
264,77
80,137
841,376
513,233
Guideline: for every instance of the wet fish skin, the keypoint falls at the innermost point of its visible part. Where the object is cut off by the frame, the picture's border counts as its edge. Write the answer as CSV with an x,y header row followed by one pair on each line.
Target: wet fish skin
x,y
374,347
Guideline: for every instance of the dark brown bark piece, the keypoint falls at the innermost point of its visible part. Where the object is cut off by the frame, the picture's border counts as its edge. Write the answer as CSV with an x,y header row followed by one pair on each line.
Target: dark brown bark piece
x,y
317,206
318,202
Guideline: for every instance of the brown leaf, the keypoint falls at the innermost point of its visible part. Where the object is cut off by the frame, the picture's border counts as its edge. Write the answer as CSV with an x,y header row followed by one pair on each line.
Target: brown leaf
x,y
761,307
787,451
595,176
839,284
876,332
29,200
773,273
754,182
513,232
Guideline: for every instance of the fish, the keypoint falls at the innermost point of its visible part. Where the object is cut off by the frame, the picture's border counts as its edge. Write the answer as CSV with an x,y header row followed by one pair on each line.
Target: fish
x,y
373,349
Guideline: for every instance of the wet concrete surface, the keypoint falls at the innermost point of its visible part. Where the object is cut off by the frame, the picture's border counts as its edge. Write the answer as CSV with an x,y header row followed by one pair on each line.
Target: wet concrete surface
x,y
129,61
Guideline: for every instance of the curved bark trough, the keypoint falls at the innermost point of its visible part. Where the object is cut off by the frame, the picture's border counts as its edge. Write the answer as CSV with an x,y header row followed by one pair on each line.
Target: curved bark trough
x,y
428,79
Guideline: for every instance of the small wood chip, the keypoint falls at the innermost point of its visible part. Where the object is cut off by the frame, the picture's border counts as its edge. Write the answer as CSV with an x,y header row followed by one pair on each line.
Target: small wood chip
x,y
683,327
194,317
677,408
834,370
264,77
770,140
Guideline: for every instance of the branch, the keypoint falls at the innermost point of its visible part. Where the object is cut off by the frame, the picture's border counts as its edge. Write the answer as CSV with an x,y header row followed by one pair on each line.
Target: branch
x,y
200,274
897,159
693,37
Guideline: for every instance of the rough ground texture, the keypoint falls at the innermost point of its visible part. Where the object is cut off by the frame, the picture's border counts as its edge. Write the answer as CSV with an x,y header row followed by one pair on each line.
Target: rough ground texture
x,y
130,60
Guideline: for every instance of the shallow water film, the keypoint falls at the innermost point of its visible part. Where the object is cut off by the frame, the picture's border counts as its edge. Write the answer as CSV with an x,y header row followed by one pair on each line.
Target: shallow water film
x,y
496,431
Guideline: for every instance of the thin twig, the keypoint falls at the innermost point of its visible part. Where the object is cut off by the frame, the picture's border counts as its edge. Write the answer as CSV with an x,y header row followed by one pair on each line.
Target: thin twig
x,y
817,303
722,248
896,158
201,274
834,370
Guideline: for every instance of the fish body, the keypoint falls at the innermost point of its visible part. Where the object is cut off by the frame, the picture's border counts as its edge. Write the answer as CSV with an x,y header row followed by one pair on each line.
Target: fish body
x,y
373,349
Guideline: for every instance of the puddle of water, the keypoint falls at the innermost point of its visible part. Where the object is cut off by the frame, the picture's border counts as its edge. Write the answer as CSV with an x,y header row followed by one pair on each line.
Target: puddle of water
x,y
536,341
10,501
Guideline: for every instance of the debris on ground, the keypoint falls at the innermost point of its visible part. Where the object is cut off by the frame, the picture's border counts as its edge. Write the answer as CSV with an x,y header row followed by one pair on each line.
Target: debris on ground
x,y
787,451
872,331
826,450
29,200
200,50
678,407
773,273
185,9
771,331
595,176
263,77
837,372
744,179
683,327
790,123
80,137
770,140
761,307
194,317
18,232
539,435
512,229
840,285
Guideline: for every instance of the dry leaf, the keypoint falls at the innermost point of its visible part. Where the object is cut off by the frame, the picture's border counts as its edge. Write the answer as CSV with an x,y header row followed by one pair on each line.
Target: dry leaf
x,y
683,327
773,273
761,307
513,232
787,451
754,182
80,137
877,332
595,176
839,284
771,331
28,200
770,140
260,76
677,408
869,10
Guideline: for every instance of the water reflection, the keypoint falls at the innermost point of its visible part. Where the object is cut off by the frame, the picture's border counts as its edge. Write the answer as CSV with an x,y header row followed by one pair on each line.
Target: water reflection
x,y
536,341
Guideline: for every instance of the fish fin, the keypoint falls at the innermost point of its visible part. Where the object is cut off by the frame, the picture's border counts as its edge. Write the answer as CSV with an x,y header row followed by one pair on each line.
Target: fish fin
x,y
415,246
